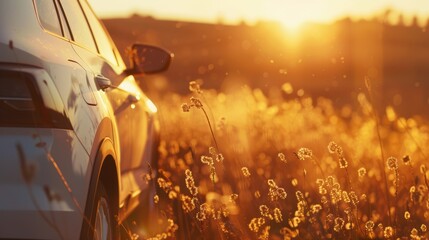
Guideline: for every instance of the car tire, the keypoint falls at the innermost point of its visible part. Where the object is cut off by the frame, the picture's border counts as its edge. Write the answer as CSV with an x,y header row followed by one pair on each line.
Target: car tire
x,y
105,227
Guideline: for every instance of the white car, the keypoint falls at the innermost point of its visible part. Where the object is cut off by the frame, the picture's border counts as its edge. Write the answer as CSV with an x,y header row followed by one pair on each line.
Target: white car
x,y
77,134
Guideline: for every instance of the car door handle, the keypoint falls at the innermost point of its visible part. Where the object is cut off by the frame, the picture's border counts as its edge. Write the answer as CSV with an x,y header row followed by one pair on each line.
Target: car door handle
x,y
103,83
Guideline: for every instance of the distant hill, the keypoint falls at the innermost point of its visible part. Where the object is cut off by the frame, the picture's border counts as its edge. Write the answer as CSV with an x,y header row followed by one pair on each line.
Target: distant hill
x,y
324,60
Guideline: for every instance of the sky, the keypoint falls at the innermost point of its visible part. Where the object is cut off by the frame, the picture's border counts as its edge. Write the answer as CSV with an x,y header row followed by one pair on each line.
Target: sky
x,y
291,13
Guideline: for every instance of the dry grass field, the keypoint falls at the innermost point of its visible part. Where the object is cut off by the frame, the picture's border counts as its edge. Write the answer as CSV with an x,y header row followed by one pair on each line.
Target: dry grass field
x,y
240,165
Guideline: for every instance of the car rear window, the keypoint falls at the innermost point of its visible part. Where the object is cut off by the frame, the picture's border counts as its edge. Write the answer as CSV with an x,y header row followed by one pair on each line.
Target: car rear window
x,y
48,16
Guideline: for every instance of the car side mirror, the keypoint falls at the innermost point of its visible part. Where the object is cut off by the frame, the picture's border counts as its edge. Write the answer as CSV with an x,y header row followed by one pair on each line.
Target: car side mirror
x,y
147,59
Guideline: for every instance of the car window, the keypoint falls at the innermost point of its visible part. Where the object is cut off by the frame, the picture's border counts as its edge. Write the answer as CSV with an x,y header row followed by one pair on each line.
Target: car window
x,y
66,30
48,16
101,38
78,25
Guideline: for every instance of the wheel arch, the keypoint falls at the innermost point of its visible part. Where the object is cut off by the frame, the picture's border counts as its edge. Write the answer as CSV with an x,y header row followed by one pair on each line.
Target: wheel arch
x,y
105,171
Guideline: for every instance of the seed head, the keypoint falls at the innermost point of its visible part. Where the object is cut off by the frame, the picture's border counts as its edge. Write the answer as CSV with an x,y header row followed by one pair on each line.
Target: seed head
x,y
271,183
233,197
392,163
388,232
282,157
196,102
245,171
207,160
219,157
304,153
299,196
281,193
264,210
315,208
407,215
194,87
212,151
332,147
343,162
406,159
185,107
362,172
423,169
339,223
346,197
369,226
278,217
294,182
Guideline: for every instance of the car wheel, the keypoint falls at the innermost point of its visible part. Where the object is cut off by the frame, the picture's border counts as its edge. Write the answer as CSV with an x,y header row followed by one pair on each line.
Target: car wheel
x,y
104,227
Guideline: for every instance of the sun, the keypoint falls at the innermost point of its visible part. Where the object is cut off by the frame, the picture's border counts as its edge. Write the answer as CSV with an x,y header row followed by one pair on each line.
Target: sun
x,y
292,24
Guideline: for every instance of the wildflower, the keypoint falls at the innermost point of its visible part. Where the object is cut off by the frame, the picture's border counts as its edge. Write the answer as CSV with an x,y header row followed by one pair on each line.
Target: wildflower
x,y
388,232
336,186
299,196
350,225
346,197
190,183
278,217
265,233
343,162
294,182
271,183
423,169
172,195
392,163
281,193
282,157
407,215
233,197
245,171
201,216
362,172
212,151
330,180
194,86
188,204
304,153
423,228
315,208
339,151
406,159
339,223
156,199
207,160
256,223
185,107
219,157
354,198
332,147
324,199
320,182
369,226
196,102
294,222
265,211
414,233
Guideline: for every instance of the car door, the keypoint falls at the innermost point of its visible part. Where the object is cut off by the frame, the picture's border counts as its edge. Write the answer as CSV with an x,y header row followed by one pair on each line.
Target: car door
x,y
125,97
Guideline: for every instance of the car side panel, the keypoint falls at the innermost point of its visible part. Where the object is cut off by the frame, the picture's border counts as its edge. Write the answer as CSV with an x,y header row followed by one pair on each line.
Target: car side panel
x,y
26,44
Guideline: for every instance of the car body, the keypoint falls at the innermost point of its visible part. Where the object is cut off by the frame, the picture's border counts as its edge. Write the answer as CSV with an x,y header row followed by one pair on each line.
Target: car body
x,y
77,134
